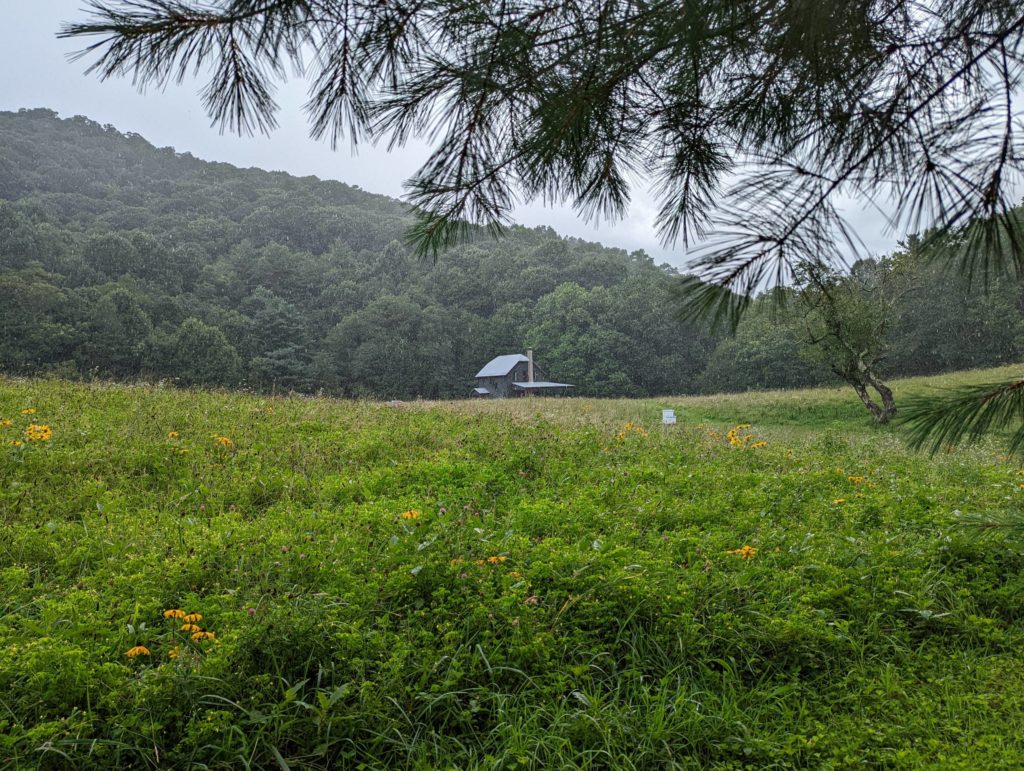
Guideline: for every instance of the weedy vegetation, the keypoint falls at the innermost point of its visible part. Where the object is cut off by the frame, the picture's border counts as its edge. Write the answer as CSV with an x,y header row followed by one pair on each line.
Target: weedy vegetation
x,y
222,580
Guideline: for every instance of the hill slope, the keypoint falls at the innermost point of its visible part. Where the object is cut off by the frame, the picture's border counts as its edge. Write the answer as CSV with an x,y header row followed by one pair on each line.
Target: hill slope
x,y
529,584
125,260
122,260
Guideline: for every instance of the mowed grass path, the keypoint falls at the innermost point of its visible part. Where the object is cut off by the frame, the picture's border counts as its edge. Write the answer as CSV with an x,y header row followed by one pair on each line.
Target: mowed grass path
x,y
522,584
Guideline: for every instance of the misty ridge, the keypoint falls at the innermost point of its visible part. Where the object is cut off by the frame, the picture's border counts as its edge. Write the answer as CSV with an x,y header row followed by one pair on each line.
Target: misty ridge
x,y
122,260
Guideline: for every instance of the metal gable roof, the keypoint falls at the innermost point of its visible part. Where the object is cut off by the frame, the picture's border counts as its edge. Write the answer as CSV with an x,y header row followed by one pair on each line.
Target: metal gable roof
x,y
500,366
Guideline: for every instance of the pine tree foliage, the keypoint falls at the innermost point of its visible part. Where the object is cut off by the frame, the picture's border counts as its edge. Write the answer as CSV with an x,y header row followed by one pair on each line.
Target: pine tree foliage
x,y
753,118
967,414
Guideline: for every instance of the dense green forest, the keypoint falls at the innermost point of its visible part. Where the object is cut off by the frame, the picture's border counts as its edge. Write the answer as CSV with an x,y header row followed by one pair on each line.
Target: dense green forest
x,y
122,260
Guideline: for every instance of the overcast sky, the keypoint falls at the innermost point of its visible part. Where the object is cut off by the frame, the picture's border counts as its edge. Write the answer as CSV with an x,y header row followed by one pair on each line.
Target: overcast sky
x,y
36,73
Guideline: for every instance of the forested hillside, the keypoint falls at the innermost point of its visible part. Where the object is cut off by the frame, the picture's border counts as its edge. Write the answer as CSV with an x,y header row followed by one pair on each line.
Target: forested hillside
x,y
122,260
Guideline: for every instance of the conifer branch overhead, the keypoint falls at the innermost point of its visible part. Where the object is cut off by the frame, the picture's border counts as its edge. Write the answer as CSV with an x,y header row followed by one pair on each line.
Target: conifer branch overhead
x,y
748,117
967,414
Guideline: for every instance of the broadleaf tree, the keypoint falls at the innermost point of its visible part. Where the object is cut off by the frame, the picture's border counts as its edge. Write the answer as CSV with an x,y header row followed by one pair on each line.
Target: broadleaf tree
x,y
847,320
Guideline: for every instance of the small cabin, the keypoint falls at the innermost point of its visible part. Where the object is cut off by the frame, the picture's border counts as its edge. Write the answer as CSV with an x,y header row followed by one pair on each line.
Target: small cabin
x,y
514,374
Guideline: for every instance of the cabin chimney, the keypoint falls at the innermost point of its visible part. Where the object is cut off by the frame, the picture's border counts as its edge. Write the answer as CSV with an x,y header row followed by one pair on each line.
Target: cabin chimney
x,y
529,365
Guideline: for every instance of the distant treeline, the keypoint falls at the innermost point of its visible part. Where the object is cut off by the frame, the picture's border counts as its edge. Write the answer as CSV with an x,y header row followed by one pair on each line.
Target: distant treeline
x,y
122,260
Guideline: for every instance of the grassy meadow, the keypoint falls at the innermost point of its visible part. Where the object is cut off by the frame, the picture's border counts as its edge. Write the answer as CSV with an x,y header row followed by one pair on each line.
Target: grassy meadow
x,y
221,580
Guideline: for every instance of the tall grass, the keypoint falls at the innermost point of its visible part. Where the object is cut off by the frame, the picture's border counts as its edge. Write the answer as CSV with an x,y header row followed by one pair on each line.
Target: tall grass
x,y
560,594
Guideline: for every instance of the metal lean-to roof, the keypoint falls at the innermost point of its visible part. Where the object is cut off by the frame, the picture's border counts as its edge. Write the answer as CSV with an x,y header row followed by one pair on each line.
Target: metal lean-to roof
x,y
481,391
542,384
500,366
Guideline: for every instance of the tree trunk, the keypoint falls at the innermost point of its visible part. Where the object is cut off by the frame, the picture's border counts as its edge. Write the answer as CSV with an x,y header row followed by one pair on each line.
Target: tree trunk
x,y
865,397
888,403
883,414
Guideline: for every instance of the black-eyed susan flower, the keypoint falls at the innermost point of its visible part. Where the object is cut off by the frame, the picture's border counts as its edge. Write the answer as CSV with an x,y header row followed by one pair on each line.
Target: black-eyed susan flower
x,y
174,652
410,514
190,628
744,552
199,636
174,613
6,423
38,433
839,501
193,618
172,434
29,411
138,650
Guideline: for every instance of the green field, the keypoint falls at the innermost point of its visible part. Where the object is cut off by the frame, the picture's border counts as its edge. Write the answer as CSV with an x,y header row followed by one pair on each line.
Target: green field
x,y
521,584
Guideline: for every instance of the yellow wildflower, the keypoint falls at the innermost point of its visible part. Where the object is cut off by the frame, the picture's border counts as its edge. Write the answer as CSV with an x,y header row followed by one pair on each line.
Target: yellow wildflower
x,y
745,552
839,500
174,652
17,443
6,423
29,411
759,445
174,613
628,427
38,433
190,628
223,441
172,434
410,514
856,480
193,618
203,636
138,650
479,562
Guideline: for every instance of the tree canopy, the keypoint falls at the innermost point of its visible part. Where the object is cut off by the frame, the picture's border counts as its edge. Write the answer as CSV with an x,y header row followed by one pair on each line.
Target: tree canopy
x,y
122,260
749,117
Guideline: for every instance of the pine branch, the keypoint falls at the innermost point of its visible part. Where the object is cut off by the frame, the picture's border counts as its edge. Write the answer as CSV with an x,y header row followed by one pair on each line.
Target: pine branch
x,y
966,414
569,101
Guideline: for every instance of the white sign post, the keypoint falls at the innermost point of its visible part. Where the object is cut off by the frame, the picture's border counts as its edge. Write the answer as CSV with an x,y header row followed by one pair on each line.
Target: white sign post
x,y
668,417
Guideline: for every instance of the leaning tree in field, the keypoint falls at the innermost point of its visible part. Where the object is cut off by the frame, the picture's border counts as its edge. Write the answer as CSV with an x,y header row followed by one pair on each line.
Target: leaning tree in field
x,y
751,118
